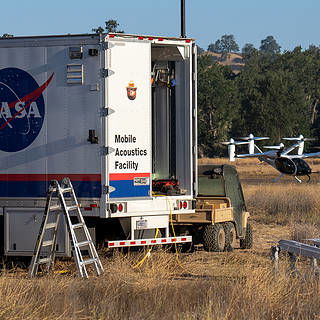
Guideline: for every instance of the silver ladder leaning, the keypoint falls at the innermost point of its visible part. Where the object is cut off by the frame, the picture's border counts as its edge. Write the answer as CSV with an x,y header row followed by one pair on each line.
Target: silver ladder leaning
x,y
45,249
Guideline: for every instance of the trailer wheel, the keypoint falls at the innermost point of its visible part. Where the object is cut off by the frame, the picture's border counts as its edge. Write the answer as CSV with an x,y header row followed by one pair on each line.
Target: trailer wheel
x,y
214,238
231,236
247,242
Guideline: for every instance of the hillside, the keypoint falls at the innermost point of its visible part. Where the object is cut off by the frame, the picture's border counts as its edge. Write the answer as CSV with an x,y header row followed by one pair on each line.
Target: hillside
x,y
234,60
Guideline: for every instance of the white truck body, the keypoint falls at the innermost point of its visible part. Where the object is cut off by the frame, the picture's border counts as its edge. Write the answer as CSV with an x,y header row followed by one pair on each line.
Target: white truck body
x,y
89,107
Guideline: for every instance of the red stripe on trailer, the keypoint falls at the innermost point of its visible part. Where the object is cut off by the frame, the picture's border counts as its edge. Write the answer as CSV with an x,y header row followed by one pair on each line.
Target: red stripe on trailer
x,y
174,240
111,244
132,242
163,240
143,242
183,239
122,243
127,176
153,241
49,177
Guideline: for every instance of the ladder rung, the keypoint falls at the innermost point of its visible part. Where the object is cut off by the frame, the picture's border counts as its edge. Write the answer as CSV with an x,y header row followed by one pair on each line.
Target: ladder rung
x,y
54,208
63,190
72,208
77,225
83,243
47,243
44,260
51,225
89,261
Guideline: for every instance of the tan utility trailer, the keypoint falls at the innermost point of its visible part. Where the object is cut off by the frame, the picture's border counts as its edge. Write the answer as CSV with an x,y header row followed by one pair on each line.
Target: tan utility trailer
x,y
221,216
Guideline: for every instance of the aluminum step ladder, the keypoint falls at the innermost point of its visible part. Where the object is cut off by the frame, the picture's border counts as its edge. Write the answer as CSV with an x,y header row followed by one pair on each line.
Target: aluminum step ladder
x,y
57,204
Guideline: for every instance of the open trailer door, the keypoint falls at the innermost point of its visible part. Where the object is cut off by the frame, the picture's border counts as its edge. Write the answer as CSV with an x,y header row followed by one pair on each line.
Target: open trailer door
x,y
128,125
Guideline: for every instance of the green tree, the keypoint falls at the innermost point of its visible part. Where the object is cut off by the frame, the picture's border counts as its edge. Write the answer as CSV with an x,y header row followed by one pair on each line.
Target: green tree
x,y
215,47
229,44
226,44
248,51
111,26
217,105
269,45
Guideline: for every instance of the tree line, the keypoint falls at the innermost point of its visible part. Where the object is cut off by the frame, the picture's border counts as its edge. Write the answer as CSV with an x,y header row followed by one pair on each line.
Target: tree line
x,y
275,94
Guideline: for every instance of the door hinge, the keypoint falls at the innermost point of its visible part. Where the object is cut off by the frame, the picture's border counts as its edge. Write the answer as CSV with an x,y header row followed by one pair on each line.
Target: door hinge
x,y
107,189
106,73
106,150
194,112
106,112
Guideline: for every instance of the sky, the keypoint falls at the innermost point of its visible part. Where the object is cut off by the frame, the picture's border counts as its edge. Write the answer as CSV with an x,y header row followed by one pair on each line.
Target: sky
x,y
290,22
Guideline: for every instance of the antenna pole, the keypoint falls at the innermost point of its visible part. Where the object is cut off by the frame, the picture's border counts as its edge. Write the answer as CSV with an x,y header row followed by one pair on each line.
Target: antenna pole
x,y
183,19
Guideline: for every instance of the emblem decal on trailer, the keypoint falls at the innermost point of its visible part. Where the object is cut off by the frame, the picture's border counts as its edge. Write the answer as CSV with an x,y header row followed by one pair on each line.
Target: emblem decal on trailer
x,y
131,90
22,109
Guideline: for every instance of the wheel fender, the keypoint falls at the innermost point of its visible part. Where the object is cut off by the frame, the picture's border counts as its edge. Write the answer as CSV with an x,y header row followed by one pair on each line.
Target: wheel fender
x,y
245,216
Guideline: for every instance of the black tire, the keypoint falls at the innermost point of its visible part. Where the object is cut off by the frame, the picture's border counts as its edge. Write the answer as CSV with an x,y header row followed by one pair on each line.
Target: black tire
x,y
231,236
214,238
247,242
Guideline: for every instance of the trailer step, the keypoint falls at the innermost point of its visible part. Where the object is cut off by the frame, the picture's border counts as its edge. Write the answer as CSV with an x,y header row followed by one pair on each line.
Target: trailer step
x,y
83,243
65,190
55,208
72,208
50,225
89,261
77,225
47,243
44,260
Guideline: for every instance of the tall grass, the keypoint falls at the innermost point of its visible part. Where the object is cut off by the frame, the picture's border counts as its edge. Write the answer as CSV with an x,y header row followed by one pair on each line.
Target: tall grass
x,y
284,203
163,289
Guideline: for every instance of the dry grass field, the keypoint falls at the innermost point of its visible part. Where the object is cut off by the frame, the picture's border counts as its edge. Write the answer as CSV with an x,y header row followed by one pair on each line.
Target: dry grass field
x,y
200,285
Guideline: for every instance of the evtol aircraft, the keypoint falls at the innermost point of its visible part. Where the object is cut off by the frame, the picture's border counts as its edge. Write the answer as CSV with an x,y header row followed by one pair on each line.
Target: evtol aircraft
x,y
279,157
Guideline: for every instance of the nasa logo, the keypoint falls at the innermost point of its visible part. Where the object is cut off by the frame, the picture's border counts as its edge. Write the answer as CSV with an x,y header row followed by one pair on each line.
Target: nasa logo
x,y
22,109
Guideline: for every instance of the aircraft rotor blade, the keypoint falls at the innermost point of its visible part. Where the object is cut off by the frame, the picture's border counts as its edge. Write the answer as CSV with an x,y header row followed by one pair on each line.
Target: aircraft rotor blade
x,y
254,138
300,138
278,147
228,143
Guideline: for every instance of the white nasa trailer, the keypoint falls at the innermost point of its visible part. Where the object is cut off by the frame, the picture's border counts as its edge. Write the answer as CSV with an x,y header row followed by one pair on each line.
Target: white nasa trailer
x,y
116,114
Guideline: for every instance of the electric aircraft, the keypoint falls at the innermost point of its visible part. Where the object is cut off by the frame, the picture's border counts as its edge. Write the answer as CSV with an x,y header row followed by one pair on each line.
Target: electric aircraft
x,y
279,157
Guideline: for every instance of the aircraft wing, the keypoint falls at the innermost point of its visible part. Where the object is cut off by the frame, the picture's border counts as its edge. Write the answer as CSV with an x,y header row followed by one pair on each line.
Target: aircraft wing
x,y
254,155
311,155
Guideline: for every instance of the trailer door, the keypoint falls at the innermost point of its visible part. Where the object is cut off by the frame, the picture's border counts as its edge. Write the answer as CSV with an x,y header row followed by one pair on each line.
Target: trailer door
x,y
128,125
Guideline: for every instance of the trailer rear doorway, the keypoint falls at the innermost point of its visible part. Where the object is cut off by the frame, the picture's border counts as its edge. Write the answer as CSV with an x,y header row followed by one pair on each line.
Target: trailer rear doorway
x,y
171,118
